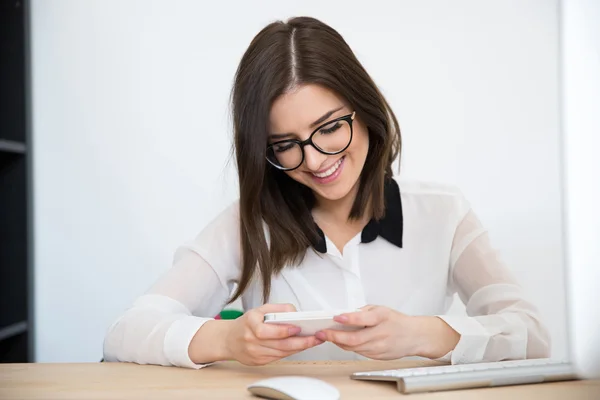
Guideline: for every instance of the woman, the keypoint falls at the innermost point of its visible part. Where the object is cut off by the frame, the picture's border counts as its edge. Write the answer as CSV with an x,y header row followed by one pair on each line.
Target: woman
x,y
322,224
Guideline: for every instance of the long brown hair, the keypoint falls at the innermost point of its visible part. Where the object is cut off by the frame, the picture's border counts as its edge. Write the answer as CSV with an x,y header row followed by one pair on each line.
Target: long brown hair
x,y
282,56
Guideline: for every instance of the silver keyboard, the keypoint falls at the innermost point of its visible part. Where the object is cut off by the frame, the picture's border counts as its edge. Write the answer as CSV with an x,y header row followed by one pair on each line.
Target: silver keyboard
x,y
449,377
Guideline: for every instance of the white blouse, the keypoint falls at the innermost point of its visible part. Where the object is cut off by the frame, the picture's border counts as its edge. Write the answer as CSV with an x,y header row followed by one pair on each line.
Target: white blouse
x,y
429,246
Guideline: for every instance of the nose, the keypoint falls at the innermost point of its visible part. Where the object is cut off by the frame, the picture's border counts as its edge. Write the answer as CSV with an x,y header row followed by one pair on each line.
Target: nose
x,y
313,159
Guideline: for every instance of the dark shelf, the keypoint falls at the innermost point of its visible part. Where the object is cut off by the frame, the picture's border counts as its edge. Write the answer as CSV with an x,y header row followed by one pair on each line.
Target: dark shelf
x,y
15,234
10,151
13,246
12,70
13,330
11,146
14,349
8,159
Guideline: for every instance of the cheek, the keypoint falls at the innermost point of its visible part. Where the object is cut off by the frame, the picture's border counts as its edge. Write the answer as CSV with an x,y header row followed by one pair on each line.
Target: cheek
x,y
360,142
295,175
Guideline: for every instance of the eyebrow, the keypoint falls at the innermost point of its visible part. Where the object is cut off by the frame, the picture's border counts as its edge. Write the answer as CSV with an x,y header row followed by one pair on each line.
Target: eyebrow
x,y
320,120
325,116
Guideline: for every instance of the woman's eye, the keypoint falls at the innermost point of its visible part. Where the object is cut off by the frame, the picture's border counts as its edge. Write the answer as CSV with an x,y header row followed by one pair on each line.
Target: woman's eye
x,y
283,147
330,128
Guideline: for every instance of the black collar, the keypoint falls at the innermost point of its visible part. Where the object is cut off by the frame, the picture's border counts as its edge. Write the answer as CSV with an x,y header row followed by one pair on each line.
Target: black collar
x,y
390,227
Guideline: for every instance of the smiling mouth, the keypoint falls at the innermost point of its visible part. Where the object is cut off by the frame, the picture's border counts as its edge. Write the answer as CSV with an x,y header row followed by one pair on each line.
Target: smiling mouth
x,y
329,171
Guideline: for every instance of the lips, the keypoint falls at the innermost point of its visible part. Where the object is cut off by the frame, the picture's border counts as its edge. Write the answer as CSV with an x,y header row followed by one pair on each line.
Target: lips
x,y
330,171
330,174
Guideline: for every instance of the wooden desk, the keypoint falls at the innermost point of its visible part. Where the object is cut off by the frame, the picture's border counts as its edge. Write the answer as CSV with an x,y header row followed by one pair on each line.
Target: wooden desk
x,y
228,381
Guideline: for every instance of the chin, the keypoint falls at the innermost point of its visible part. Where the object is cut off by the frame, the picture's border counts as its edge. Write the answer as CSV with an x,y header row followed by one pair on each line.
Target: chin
x,y
330,194
333,192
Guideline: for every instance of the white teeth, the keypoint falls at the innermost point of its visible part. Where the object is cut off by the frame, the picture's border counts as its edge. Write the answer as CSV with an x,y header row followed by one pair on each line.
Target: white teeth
x,y
330,171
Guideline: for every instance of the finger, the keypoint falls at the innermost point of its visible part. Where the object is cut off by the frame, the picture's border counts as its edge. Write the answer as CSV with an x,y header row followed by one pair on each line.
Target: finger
x,y
347,348
374,345
274,331
344,338
263,355
271,331
292,344
370,317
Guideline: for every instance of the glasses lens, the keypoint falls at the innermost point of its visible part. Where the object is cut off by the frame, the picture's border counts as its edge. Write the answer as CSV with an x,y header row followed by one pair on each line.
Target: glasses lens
x,y
285,155
334,137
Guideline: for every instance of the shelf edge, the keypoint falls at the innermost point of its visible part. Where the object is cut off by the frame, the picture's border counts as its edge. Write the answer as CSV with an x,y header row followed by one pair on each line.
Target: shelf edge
x,y
13,330
12,146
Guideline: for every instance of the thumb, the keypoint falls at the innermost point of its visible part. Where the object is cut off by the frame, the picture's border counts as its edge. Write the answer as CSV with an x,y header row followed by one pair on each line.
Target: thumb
x,y
274,308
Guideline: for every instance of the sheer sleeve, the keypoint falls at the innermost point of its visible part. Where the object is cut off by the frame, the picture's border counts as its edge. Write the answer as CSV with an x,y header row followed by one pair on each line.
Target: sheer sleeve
x,y
501,323
159,326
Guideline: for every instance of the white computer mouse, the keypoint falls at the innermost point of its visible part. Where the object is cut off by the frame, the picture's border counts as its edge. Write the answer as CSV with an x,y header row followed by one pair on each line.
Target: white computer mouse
x,y
294,388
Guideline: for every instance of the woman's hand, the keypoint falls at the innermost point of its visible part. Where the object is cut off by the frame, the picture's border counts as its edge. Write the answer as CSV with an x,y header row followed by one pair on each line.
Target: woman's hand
x,y
389,334
252,342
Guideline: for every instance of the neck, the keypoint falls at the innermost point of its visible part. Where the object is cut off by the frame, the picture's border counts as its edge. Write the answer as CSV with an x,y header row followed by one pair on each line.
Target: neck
x,y
337,210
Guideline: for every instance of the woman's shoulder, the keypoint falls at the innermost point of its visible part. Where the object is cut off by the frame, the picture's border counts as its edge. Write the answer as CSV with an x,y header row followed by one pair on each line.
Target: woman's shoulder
x,y
227,220
218,240
423,188
431,196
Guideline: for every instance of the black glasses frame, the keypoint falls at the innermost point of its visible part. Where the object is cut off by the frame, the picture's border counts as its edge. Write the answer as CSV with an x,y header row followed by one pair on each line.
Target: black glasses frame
x,y
348,118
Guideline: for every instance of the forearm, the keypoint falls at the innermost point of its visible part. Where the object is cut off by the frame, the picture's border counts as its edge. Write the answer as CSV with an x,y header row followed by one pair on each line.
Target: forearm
x,y
519,335
209,344
156,330
434,338
503,336
138,337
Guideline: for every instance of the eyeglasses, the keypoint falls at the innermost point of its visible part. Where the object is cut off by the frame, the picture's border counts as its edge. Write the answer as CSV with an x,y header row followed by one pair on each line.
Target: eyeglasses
x,y
333,137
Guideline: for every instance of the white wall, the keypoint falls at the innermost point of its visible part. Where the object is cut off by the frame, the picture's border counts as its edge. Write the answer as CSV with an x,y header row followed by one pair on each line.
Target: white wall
x,y
580,72
131,135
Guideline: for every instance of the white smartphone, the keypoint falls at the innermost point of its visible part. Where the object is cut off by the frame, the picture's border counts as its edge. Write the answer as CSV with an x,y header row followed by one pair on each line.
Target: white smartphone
x,y
310,322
